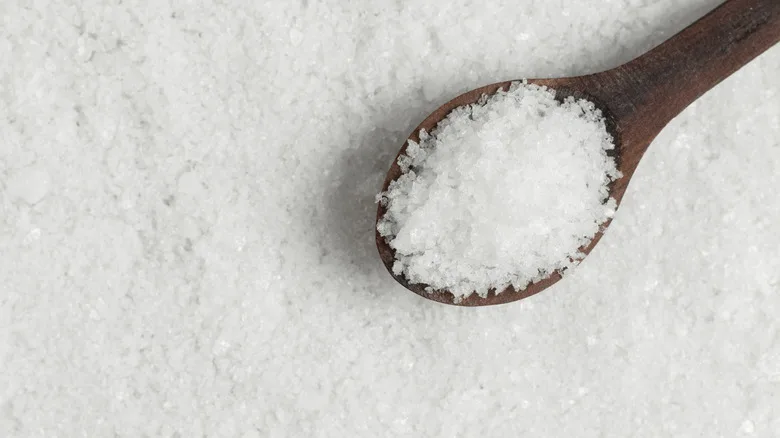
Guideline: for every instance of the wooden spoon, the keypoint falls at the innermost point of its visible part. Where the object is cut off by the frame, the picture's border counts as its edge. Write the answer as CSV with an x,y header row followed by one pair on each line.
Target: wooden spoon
x,y
638,99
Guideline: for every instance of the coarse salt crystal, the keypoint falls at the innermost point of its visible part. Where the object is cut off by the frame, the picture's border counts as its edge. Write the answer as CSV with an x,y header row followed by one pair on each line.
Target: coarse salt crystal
x,y
30,184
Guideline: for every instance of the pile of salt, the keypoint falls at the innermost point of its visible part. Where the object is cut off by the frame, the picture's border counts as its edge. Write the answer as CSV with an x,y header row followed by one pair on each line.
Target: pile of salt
x,y
502,192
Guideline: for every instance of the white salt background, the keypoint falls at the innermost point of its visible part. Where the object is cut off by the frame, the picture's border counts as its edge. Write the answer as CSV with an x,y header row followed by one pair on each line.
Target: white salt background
x,y
186,230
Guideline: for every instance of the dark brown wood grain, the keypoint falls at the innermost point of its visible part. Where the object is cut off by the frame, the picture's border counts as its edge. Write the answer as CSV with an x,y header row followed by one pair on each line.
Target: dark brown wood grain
x,y
638,100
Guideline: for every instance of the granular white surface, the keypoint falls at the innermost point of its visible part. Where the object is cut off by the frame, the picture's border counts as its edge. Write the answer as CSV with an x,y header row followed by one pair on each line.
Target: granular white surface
x,y
193,251
502,192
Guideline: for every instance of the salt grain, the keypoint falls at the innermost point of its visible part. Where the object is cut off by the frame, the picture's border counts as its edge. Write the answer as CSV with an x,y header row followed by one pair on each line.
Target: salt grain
x,y
502,192
30,185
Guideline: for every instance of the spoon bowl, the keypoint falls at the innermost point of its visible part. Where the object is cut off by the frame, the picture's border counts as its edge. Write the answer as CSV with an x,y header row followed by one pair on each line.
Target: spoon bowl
x,y
637,99
564,87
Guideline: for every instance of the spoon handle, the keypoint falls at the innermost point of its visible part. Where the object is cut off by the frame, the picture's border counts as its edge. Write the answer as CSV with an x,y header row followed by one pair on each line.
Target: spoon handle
x,y
654,88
